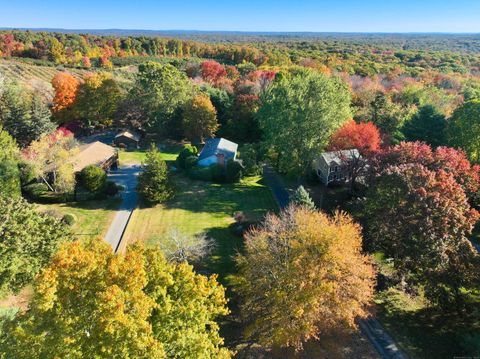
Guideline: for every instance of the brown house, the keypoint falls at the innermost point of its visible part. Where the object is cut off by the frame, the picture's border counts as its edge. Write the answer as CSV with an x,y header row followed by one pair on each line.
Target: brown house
x,y
97,154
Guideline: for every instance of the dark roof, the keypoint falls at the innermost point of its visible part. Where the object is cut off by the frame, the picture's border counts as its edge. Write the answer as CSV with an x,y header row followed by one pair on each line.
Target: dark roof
x,y
129,134
215,146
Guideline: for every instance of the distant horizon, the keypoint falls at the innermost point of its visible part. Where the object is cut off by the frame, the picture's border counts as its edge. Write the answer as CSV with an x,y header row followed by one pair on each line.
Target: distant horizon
x,y
60,29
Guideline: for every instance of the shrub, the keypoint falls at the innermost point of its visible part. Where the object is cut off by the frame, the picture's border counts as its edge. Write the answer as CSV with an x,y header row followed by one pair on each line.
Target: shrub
x,y
234,172
9,178
68,219
111,188
35,190
200,173
249,156
27,173
187,151
218,173
190,162
93,179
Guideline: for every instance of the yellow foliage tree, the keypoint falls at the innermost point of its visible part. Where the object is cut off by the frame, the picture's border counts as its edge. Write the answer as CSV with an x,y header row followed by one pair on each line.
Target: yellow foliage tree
x,y
303,274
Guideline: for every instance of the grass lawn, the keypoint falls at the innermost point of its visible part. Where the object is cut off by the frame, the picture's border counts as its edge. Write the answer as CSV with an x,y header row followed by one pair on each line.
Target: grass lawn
x,y
169,153
92,217
204,207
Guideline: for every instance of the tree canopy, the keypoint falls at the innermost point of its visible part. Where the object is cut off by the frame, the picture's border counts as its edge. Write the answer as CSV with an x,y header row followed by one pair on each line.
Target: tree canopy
x,y
298,114
464,129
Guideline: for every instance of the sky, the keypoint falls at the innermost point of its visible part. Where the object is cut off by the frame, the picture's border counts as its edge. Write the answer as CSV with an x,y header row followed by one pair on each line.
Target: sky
x,y
247,15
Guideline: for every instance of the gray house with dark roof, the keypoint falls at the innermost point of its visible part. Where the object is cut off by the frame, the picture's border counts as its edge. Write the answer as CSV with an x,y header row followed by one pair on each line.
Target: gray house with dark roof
x,y
217,150
333,166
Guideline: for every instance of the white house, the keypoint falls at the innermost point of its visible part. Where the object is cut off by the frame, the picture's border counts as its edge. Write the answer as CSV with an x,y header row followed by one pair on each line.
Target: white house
x,y
334,166
217,150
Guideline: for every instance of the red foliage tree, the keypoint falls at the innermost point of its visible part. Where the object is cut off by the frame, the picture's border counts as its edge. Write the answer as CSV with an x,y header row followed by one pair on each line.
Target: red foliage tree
x,y
212,71
86,62
447,159
365,137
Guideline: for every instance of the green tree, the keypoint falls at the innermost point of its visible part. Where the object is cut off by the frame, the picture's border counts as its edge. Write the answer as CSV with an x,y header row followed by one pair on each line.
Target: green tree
x,y
303,274
427,125
187,151
299,113
93,178
464,129
154,182
161,91
9,171
97,100
24,114
199,119
301,198
28,241
93,303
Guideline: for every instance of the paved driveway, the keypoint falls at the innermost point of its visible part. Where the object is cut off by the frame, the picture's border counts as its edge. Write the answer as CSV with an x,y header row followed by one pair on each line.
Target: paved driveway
x,y
127,177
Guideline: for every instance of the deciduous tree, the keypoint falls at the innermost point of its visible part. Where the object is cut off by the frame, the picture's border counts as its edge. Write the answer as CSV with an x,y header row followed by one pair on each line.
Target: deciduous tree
x,y
66,88
427,125
298,114
464,129
212,71
303,274
28,241
199,119
365,137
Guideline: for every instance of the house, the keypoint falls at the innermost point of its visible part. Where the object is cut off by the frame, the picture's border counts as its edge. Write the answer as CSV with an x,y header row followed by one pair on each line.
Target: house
x,y
97,154
334,166
128,138
217,150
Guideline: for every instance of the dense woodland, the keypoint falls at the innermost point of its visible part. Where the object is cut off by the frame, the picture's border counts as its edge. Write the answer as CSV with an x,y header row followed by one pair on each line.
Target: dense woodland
x,y
410,105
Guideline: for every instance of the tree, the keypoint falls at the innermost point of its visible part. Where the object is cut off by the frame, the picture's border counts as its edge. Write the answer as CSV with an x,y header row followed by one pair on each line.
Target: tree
x,y
161,91
447,159
93,178
199,119
180,247
212,71
302,275
9,171
427,125
187,151
52,154
97,99
417,217
302,198
464,130
365,137
94,303
66,88
24,114
28,241
154,182
298,114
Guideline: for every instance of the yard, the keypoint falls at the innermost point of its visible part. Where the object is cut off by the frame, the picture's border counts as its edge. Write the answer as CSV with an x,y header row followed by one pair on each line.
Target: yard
x,y
92,218
204,207
169,153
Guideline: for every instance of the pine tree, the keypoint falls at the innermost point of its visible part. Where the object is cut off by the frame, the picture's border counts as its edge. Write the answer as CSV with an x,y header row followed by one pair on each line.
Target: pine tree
x,y
302,198
154,183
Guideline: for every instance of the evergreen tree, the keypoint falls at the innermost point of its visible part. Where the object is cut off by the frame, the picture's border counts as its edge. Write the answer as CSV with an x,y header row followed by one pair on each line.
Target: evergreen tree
x,y
301,198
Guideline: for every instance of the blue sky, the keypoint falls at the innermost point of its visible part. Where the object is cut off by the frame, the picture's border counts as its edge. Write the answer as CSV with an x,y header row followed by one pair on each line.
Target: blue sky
x,y
247,15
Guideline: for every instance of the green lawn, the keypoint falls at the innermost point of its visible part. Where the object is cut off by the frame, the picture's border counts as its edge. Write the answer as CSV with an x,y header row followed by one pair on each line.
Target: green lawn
x,y
204,207
92,217
169,153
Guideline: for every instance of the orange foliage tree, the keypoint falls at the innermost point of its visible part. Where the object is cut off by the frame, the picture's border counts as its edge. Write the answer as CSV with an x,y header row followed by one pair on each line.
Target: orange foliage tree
x,y
66,88
365,137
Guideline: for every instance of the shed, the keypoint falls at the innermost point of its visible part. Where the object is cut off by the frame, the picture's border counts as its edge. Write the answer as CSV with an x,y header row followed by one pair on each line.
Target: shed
x,y
217,150
129,138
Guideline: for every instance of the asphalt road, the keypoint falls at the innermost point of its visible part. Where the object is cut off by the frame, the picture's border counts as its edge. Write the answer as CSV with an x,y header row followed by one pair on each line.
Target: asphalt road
x,y
127,177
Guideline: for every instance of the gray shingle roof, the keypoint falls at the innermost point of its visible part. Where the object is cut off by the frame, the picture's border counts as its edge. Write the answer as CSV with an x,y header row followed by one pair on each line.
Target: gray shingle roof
x,y
338,156
214,146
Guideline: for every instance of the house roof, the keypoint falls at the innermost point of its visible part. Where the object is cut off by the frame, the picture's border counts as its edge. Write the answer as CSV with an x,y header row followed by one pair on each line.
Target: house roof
x,y
215,146
338,157
96,153
129,134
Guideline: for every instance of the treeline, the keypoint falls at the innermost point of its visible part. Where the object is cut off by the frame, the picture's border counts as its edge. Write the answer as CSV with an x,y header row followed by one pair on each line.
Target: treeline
x,y
360,56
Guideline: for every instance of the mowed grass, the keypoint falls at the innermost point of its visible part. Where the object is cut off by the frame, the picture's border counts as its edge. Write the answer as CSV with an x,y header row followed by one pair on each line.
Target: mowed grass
x,y
92,218
204,207
169,153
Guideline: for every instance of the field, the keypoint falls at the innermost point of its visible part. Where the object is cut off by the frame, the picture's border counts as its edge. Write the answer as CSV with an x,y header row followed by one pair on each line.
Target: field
x,y
92,218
